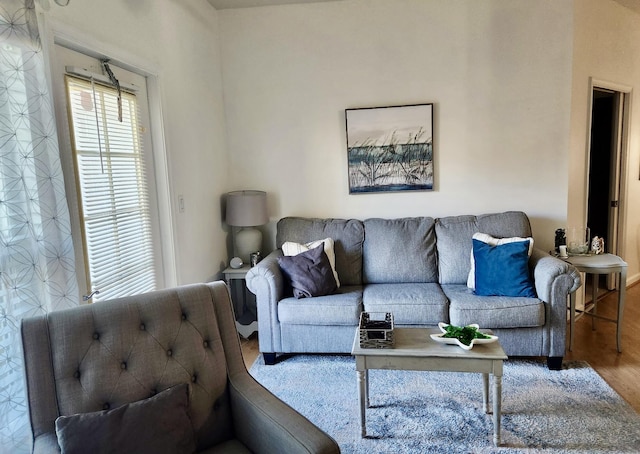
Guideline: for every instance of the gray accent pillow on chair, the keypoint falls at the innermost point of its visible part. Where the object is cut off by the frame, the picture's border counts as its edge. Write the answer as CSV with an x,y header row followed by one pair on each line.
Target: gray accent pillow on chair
x,y
157,425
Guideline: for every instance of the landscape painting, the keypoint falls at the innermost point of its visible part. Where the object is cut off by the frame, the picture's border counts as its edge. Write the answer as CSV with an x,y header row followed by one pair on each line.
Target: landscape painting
x,y
390,148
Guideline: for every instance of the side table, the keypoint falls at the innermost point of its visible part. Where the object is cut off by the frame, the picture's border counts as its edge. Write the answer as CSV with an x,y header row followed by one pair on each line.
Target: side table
x,y
596,265
246,322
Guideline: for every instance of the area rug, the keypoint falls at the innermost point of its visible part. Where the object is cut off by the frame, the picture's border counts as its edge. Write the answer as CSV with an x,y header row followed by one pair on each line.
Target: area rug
x,y
572,410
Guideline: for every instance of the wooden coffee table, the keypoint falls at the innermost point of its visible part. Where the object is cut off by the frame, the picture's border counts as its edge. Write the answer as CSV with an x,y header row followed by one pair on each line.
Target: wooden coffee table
x,y
415,350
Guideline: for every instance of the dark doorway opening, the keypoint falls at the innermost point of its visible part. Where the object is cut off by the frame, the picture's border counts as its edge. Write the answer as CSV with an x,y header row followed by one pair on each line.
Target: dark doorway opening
x,y
601,159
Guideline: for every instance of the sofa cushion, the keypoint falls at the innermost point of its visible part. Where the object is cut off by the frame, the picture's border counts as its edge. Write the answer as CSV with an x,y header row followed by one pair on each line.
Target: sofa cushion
x,y
340,308
159,424
502,270
347,235
309,272
399,251
492,311
410,304
454,243
454,239
502,225
291,248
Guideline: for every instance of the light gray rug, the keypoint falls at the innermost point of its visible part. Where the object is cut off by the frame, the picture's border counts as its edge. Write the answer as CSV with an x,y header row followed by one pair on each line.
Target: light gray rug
x,y
572,410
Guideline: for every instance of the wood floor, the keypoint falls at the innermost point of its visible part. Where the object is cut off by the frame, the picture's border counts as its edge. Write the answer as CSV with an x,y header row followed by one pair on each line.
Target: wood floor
x,y
598,348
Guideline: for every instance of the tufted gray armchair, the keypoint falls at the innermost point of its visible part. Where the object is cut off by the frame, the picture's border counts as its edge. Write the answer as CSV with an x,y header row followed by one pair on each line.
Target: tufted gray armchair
x,y
104,355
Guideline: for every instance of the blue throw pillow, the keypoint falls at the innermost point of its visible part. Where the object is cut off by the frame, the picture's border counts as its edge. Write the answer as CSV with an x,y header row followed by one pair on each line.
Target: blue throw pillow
x,y
503,270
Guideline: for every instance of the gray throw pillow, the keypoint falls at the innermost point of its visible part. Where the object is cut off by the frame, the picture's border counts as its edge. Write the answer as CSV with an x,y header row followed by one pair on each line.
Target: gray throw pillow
x,y
159,424
310,273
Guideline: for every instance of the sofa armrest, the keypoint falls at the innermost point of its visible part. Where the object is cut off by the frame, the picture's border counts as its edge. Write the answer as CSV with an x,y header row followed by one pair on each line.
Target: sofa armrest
x,y
264,423
554,280
553,277
265,280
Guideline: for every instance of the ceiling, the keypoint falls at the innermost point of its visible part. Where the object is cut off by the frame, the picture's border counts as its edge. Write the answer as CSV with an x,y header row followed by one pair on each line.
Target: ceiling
x,y
633,5
227,4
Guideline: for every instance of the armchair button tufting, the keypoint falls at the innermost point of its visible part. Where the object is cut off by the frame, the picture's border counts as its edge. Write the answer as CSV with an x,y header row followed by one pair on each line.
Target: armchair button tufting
x,y
123,365
142,327
206,344
96,336
169,352
76,374
184,316
106,406
194,378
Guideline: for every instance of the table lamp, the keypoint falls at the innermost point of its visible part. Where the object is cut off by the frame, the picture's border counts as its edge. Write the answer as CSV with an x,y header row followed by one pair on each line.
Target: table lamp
x,y
247,209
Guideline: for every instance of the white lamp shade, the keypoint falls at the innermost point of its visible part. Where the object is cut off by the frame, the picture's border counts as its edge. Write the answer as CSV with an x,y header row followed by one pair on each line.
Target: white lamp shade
x,y
246,208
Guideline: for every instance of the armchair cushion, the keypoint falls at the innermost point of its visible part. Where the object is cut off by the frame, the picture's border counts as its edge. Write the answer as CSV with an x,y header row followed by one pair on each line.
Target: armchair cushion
x,y
159,424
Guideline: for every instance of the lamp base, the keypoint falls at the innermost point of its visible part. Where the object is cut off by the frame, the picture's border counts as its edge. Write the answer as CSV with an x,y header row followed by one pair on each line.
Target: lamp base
x,y
248,240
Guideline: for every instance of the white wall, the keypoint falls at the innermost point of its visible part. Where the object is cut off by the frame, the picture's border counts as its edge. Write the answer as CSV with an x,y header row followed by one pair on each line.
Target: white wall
x,y
178,42
606,47
498,72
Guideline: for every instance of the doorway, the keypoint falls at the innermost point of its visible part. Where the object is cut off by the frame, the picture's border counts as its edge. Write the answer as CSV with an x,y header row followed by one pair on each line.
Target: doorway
x,y
609,107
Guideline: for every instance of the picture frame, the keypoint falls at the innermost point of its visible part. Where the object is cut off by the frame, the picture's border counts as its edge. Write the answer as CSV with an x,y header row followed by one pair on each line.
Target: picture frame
x,y
390,149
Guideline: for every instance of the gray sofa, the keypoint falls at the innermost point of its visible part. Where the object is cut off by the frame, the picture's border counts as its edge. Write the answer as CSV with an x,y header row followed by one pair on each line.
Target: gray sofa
x,y
416,268
90,371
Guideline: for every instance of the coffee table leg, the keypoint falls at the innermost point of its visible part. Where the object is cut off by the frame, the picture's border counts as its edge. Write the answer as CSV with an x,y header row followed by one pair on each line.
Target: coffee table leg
x,y
485,392
364,399
497,403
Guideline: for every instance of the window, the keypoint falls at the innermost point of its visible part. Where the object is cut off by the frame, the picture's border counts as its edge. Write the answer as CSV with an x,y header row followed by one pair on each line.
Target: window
x,y
112,187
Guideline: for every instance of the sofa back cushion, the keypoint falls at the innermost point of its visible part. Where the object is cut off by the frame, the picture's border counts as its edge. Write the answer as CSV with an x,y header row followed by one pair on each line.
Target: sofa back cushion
x,y
112,353
347,235
454,239
400,251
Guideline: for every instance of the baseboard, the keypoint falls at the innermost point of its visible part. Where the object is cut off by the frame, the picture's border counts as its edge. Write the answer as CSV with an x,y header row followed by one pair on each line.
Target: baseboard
x,y
632,280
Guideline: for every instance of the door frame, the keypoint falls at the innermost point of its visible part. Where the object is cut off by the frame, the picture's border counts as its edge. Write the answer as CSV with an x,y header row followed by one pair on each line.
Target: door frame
x,y
619,171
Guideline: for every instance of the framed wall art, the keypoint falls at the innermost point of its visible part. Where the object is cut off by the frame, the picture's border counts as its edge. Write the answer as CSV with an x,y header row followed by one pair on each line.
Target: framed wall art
x,y
390,148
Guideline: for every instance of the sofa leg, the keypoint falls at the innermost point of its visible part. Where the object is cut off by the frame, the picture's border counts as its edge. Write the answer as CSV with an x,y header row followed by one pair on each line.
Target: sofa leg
x,y
269,358
554,362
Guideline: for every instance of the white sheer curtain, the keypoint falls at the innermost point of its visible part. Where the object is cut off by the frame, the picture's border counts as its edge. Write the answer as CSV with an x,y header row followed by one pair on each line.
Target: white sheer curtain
x,y
37,272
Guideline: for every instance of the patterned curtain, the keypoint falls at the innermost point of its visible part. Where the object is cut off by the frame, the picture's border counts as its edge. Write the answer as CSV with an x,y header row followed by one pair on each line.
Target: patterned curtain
x,y
36,251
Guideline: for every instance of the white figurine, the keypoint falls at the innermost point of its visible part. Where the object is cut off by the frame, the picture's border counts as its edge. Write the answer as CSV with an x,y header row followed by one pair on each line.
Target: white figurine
x,y
597,245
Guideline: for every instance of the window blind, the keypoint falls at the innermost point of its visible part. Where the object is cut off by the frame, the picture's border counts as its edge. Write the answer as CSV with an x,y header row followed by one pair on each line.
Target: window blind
x,y
113,190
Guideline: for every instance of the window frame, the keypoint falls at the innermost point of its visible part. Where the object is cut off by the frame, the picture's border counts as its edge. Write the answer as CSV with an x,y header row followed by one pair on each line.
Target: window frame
x,y
124,186
60,35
